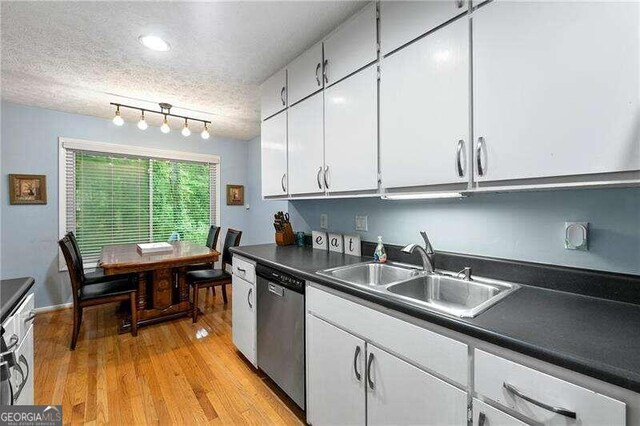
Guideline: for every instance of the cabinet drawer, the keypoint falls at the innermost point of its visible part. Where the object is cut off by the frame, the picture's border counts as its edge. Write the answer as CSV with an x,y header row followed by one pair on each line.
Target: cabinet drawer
x,y
493,374
425,348
25,315
244,269
486,415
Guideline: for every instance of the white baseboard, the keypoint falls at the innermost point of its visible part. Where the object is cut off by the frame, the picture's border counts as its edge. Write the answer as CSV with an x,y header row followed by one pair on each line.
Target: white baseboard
x,y
53,308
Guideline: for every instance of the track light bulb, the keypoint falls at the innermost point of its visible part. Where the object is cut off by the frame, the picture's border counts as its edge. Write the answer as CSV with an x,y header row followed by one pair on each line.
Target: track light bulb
x,y
142,124
205,132
165,126
185,130
117,120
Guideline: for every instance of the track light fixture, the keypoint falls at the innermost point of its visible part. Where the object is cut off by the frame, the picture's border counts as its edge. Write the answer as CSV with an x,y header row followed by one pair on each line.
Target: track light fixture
x,y
185,130
117,120
165,110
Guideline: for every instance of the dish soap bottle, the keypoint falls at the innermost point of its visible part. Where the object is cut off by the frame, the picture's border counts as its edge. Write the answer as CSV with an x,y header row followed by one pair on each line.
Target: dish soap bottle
x,y
380,254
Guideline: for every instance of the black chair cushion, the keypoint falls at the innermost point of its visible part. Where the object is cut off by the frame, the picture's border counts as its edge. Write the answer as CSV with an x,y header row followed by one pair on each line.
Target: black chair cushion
x,y
114,287
207,275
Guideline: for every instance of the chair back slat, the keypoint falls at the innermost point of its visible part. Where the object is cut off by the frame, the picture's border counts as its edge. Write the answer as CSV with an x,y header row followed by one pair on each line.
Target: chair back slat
x,y
232,239
74,265
212,238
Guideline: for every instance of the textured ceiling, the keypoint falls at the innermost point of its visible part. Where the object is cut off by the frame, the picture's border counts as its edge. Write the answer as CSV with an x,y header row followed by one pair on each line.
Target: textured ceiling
x,y
79,56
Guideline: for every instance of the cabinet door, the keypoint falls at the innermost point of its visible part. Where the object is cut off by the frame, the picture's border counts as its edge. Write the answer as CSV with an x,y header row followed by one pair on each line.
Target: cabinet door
x,y
403,21
486,415
274,155
335,375
306,146
305,74
243,317
24,355
351,122
273,94
401,394
556,88
424,110
352,46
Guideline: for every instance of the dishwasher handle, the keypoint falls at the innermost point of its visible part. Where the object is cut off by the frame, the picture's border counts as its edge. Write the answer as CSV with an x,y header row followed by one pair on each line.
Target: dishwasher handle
x,y
276,289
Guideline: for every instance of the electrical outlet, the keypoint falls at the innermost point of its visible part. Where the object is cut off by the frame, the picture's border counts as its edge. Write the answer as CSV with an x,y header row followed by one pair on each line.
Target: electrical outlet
x,y
324,221
361,223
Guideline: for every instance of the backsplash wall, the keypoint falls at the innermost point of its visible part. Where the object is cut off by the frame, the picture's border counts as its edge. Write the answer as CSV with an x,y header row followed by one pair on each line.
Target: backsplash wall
x,y
525,226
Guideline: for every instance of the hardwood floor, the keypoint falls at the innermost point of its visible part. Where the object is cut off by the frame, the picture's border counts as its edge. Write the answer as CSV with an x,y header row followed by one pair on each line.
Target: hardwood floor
x,y
172,373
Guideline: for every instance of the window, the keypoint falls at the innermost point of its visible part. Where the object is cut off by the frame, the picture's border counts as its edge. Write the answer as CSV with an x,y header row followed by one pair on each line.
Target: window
x,y
123,196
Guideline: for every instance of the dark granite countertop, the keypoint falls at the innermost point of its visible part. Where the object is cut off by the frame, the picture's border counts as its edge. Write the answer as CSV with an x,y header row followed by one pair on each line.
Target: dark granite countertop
x,y
11,293
596,337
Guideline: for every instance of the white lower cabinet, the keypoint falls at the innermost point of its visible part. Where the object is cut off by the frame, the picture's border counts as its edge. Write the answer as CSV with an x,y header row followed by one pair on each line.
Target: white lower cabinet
x,y
244,318
335,375
24,355
400,394
486,415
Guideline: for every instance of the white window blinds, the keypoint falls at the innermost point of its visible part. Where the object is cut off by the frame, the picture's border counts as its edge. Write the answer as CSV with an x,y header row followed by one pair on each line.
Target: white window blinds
x,y
119,199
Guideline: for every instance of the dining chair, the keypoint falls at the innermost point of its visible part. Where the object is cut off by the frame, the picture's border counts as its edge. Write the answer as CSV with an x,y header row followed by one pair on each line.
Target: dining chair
x,y
109,289
206,278
93,277
212,243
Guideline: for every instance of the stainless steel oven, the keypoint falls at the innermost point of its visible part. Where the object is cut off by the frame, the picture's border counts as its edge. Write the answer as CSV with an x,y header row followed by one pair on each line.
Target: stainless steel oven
x,y
280,349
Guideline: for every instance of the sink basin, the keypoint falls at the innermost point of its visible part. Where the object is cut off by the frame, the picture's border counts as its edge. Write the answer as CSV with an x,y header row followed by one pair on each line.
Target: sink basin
x,y
452,295
434,291
372,274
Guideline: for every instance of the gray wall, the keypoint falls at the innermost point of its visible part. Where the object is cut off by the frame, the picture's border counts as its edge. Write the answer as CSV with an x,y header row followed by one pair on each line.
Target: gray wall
x,y
524,226
29,144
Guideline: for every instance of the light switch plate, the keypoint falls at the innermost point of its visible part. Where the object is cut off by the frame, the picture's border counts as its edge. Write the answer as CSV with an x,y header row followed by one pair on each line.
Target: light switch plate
x,y
576,236
361,223
324,221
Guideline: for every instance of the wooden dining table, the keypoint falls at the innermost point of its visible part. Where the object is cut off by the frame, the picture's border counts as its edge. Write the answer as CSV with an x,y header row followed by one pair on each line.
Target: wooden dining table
x,y
163,292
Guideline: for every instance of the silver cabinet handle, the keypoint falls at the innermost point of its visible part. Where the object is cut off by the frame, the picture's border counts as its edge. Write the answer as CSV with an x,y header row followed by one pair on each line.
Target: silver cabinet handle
x,y
282,93
284,176
249,298
13,341
371,384
481,157
355,363
482,418
25,376
326,179
32,315
318,177
459,3
459,167
562,411
244,271
324,71
317,73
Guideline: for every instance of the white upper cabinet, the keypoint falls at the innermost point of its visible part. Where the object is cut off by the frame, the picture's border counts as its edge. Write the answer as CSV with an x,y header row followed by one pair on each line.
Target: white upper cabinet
x,y
352,46
335,375
400,394
274,155
305,74
424,110
273,94
351,141
403,21
556,89
306,146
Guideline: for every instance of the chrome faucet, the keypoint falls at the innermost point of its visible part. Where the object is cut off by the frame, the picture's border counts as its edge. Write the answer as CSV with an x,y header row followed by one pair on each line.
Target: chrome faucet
x,y
427,254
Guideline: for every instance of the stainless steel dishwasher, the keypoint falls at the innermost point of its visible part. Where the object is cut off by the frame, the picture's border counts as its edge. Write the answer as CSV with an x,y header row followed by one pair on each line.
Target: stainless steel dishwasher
x,y
281,330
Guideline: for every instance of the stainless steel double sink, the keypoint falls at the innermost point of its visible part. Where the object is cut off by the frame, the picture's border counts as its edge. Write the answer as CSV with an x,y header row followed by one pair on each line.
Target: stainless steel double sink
x,y
438,291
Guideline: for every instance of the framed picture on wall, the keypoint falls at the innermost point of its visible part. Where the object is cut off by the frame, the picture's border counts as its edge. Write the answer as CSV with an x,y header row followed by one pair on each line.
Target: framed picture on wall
x,y
235,195
27,189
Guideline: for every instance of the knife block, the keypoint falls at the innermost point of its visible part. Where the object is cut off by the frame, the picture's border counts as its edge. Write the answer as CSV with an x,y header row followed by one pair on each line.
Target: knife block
x,y
285,237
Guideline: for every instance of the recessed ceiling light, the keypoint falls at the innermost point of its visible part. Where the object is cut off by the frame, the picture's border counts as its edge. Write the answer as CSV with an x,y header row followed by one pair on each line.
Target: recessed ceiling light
x,y
154,43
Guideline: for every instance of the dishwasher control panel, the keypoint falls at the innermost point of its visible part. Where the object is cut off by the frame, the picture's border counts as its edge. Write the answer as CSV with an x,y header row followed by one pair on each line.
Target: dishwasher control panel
x,y
280,278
